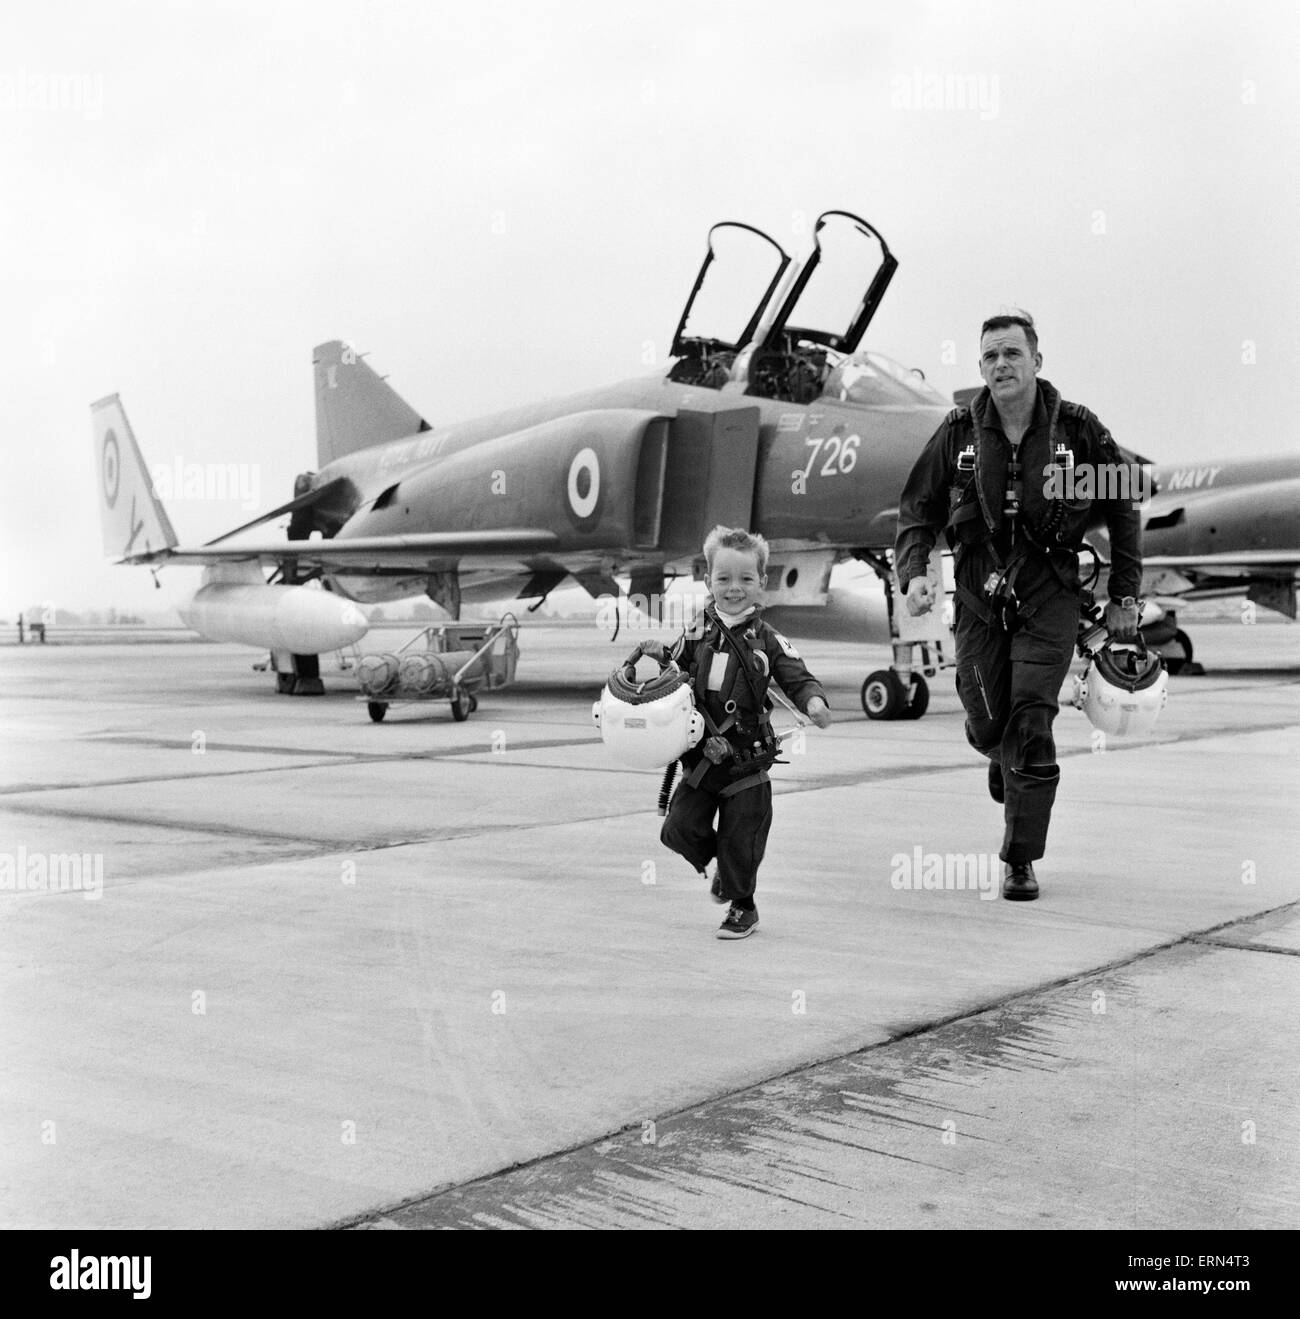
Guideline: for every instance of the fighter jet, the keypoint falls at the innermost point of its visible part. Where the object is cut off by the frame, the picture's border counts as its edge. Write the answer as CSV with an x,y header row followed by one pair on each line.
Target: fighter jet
x,y
769,415
1219,529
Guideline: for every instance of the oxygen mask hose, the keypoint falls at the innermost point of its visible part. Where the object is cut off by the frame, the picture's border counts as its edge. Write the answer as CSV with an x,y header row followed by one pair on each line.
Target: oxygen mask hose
x,y
666,788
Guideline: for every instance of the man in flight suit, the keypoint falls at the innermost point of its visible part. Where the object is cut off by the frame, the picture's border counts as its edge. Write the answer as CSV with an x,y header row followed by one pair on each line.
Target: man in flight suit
x,y
1000,477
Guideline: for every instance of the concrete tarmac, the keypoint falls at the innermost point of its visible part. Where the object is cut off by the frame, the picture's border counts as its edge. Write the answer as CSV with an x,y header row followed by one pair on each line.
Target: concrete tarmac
x,y
348,973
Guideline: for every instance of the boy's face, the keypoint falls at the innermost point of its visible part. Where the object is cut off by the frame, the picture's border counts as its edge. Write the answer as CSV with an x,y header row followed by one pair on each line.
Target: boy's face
x,y
735,581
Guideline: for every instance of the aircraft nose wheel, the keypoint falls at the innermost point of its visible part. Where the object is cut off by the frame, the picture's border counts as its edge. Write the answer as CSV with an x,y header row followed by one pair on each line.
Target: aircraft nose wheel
x,y
884,697
920,701
1178,652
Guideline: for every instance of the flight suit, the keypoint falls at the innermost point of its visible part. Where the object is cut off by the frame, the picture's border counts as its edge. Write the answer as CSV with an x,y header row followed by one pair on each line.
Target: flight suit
x,y
1013,654
737,790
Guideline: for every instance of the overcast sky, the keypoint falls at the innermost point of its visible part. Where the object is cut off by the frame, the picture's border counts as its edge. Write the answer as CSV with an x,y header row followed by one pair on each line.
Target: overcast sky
x,y
504,202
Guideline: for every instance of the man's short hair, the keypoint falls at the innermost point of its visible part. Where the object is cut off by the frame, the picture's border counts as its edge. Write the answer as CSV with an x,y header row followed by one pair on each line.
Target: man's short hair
x,y
736,538
1005,320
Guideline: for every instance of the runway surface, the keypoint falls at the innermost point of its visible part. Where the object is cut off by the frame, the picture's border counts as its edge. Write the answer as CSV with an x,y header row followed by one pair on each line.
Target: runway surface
x,y
342,973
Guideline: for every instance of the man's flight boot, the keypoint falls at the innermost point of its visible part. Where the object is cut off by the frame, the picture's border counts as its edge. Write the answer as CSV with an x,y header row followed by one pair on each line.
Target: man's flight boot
x,y
1018,882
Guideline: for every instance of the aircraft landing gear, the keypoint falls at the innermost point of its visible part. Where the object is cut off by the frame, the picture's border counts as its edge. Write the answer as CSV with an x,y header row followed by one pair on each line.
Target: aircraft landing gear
x,y
1163,636
1177,654
296,675
377,710
307,676
885,697
919,646
920,698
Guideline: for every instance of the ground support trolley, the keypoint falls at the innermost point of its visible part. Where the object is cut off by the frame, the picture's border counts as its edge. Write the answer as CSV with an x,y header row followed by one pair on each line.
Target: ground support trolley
x,y
451,662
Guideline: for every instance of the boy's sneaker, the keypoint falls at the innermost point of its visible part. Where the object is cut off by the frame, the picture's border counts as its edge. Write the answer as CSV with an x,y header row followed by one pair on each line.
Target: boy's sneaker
x,y
739,924
715,889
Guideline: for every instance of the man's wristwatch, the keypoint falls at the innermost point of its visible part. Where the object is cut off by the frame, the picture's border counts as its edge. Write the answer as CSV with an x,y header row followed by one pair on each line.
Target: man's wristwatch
x,y
1128,602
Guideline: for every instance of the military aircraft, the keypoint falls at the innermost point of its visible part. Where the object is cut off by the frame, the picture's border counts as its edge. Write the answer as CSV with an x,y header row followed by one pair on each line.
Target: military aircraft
x,y
769,415
1218,529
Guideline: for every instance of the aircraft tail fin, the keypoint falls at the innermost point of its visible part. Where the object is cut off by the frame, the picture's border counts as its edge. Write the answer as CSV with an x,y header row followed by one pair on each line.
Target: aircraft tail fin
x,y
355,407
133,521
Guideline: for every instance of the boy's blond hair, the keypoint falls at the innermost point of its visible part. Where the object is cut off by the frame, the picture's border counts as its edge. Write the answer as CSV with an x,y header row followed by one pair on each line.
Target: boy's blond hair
x,y
736,538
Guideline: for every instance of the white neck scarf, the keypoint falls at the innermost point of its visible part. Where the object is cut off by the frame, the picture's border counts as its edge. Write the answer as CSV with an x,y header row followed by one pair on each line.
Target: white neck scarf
x,y
732,619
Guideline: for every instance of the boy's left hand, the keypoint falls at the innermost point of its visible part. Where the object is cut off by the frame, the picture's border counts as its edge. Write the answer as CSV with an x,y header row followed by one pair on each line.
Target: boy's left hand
x,y
819,712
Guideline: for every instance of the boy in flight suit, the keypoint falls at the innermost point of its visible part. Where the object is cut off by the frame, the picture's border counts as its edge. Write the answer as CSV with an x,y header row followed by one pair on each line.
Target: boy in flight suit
x,y
731,655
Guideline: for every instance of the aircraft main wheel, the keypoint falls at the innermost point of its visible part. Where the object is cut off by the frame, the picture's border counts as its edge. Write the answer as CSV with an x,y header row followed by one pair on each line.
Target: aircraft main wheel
x,y
920,701
1178,652
882,695
460,706
377,710
473,702
284,683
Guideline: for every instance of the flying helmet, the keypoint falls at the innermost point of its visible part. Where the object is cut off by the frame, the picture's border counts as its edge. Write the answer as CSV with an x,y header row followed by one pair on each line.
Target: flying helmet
x,y
1123,690
648,724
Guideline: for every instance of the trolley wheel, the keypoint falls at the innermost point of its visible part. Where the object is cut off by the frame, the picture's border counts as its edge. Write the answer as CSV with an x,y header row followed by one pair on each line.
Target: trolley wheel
x,y
460,706
377,710
1177,652
920,701
882,695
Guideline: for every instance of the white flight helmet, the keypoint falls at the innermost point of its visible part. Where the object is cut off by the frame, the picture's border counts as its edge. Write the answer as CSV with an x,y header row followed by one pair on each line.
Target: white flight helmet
x,y
648,724
1123,691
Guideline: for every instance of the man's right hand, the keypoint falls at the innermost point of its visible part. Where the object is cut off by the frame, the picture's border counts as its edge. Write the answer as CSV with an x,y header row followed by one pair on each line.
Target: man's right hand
x,y
920,597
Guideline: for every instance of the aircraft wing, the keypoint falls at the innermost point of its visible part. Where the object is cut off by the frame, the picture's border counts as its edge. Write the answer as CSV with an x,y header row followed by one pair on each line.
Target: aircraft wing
x,y
418,551
1268,577
1274,561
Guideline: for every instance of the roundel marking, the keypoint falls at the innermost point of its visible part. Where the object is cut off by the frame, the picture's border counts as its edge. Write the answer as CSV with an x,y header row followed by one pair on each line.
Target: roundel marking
x,y
584,483
111,468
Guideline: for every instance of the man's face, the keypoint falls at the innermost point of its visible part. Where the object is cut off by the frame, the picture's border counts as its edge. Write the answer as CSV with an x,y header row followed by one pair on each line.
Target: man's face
x,y
1008,367
735,580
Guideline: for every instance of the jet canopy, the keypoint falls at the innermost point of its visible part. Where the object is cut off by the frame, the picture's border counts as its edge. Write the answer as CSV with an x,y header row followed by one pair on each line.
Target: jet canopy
x,y
874,380
807,318
740,273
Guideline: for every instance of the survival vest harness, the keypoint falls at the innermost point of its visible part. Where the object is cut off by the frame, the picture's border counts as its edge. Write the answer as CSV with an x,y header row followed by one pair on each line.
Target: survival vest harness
x,y
752,748
968,523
